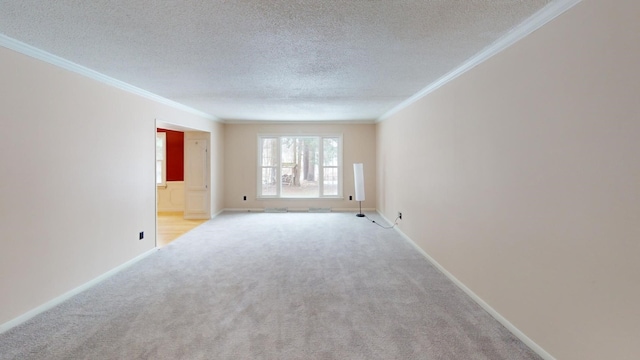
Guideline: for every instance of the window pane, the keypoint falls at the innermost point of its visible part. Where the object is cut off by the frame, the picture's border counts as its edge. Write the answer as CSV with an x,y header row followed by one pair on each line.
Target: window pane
x,y
269,181
290,166
289,147
158,171
308,160
299,171
161,149
160,140
305,190
330,149
269,152
330,181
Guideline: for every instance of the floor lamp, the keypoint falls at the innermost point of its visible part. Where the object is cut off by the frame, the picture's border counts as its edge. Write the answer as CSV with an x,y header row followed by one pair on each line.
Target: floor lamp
x,y
358,177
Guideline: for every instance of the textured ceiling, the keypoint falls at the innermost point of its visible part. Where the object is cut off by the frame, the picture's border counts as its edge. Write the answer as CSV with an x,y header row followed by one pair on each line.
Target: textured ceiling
x,y
269,59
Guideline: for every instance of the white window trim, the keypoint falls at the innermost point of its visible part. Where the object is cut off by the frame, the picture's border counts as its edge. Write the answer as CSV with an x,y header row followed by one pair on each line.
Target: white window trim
x,y
321,167
260,167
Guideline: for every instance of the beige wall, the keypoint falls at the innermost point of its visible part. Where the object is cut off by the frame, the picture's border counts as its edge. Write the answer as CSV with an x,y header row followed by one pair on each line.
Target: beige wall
x,y
77,179
522,179
241,164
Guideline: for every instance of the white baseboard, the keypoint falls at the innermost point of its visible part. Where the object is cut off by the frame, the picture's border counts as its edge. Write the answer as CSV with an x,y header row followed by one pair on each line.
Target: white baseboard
x,y
218,213
247,210
514,330
355,210
60,299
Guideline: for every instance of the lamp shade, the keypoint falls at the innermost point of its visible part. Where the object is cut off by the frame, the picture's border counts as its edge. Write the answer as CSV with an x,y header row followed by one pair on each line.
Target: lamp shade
x,y
358,178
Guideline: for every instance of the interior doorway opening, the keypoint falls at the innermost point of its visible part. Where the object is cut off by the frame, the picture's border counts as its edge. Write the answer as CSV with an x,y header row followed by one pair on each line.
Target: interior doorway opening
x,y
182,181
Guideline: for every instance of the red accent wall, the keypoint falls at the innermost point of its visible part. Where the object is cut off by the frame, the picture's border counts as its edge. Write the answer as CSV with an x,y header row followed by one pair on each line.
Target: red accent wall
x,y
175,154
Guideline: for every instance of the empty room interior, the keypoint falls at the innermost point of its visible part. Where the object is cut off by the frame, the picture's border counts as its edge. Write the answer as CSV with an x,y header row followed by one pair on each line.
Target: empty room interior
x,y
505,133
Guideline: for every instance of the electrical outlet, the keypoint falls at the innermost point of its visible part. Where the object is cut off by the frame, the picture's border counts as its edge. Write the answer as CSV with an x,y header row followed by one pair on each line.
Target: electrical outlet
x,y
399,215
244,198
141,236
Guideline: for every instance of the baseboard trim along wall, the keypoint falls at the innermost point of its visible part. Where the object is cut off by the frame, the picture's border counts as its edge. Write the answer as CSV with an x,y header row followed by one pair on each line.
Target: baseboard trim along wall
x,y
62,298
514,330
218,213
354,210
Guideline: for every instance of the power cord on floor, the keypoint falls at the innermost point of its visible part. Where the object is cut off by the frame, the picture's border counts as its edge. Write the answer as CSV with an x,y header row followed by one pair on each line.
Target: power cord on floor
x,y
384,227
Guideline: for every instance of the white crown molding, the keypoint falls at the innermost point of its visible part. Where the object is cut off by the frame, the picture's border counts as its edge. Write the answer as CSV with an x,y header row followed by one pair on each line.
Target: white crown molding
x,y
536,21
42,55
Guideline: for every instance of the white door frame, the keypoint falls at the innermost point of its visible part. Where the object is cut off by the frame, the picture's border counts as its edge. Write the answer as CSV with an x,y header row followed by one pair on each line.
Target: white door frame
x,y
161,123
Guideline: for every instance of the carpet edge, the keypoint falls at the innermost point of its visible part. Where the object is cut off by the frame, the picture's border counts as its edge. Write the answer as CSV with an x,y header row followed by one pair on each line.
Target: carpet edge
x,y
496,315
69,294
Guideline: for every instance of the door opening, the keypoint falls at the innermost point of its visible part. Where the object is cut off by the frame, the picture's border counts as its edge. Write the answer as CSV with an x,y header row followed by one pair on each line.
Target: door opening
x,y
182,181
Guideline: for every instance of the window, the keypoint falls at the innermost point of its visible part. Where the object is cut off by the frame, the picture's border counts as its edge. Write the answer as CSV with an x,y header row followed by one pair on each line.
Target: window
x,y
299,166
161,156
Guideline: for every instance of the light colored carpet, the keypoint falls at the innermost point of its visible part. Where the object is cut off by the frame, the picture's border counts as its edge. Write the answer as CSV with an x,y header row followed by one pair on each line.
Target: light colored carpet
x,y
271,286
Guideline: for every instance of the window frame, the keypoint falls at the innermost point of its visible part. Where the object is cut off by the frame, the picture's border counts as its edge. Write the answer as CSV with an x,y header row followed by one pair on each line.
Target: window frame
x,y
278,167
163,136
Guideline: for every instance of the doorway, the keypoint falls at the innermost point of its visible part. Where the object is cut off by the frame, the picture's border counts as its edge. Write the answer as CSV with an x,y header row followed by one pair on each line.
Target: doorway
x,y
182,181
